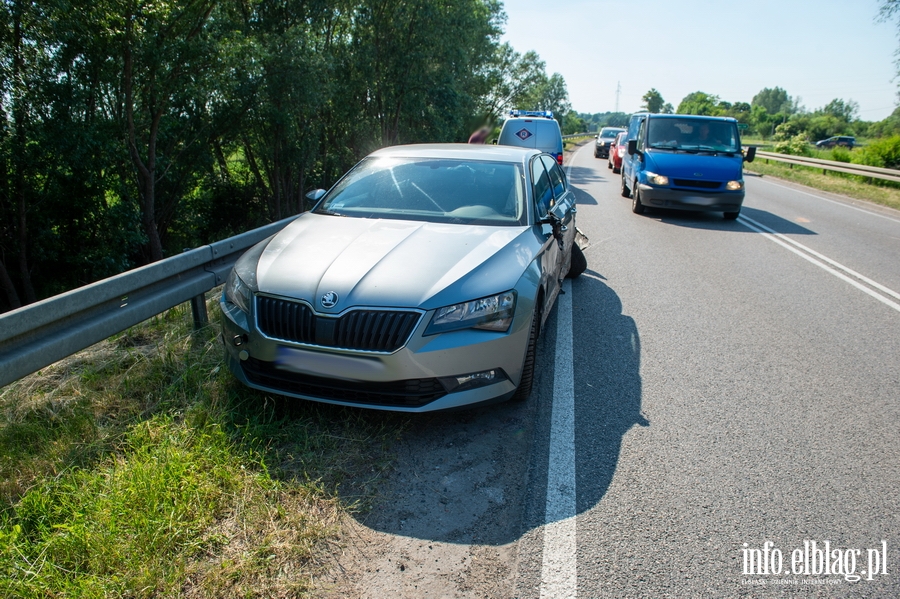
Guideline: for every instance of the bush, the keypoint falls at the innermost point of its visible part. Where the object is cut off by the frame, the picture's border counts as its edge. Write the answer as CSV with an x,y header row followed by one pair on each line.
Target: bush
x,y
796,146
840,154
884,153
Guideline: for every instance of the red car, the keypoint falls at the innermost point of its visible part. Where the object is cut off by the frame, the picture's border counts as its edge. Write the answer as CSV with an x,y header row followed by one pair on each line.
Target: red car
x,y
616,151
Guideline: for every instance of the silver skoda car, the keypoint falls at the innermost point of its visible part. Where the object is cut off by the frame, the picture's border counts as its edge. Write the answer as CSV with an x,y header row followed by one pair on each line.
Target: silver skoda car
x,y
419,282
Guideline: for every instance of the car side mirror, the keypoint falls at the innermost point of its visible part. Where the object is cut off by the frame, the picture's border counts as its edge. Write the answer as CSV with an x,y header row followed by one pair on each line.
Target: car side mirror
x,y
632,147
750,155
315,195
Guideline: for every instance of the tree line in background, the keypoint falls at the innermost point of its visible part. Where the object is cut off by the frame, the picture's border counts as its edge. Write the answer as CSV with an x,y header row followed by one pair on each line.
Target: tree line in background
x,y
772,114
132,129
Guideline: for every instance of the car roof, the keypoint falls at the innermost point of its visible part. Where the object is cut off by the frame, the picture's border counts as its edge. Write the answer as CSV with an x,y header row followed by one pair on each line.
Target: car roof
x,y
459,151
698,117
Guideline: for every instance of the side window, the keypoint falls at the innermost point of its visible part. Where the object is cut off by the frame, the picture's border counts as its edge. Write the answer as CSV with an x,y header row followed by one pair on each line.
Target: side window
x,y
633,128
543,194
640,134
557,179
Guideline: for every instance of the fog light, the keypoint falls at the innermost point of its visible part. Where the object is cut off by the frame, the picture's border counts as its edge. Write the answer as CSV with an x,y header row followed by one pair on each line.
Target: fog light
x,y
244,355
474,380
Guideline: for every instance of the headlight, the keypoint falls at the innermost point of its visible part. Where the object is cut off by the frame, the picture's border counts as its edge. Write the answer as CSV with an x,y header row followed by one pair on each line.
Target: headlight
x,y
237,292
494,313
655,179
735,185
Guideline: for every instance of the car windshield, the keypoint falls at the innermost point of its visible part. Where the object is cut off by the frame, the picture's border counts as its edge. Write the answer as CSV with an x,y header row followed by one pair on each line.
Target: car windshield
x,y
468,192
693,134
609,132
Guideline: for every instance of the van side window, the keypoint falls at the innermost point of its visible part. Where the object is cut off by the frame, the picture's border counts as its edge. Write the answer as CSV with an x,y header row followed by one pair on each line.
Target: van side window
x,y
543,194
640,135
557,179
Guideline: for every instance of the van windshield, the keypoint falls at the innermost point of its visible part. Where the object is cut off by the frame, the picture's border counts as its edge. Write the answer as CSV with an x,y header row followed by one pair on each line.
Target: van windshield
x,y
693,135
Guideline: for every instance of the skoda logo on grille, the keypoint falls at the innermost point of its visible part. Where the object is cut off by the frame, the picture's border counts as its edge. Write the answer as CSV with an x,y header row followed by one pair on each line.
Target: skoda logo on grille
x,y
329,299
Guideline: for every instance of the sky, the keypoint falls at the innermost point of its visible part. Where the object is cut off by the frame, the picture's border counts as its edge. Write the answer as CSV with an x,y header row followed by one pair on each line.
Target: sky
x,y
818,50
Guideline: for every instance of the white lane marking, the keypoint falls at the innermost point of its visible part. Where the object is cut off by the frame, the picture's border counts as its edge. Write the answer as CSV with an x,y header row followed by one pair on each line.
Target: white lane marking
x,y
849,271
558,571
751,224
812,195
571,160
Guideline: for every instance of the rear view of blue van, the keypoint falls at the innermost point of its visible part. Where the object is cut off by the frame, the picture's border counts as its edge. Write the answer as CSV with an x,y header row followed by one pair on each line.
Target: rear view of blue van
x,y
684,162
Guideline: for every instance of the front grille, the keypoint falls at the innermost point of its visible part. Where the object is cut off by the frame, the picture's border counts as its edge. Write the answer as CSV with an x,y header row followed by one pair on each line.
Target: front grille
x,y
407,393
363,330
698,183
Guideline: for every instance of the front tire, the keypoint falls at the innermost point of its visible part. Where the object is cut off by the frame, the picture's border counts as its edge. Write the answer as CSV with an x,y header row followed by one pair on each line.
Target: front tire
x,y
523,391
636,206
577,264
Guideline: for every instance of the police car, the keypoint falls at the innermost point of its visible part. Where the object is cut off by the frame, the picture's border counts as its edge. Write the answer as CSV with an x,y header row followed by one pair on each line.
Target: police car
x,y
533,129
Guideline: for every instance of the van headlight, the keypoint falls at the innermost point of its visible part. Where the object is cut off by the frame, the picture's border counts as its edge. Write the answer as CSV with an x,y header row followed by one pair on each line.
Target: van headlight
x,y
493,313
655,179
735,185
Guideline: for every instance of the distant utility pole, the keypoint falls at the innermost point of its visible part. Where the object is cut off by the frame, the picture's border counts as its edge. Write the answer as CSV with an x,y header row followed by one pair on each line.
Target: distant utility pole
x,y
618,91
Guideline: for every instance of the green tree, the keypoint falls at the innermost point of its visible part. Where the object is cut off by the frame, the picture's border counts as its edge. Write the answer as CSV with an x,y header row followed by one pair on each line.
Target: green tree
x,y
700,103
774,100
573,123
840,109
653,101
512,81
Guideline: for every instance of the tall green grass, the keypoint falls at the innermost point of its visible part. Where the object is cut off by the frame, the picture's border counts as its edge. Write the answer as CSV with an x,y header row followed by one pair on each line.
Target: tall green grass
x,y
141,468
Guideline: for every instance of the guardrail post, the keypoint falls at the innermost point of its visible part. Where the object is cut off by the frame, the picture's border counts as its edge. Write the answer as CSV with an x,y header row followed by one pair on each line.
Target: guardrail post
x,y
198,308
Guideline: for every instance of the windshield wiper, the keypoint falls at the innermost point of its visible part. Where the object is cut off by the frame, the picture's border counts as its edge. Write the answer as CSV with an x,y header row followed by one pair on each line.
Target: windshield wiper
x,y
664,147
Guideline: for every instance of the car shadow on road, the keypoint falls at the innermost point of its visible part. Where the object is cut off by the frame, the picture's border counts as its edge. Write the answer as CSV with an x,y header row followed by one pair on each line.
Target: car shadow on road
x,y
480,476
713,221
608,389
582,175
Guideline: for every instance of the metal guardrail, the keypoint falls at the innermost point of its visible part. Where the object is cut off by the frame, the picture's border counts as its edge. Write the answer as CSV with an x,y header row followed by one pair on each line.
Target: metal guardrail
x,y
574,135
874,172
42,333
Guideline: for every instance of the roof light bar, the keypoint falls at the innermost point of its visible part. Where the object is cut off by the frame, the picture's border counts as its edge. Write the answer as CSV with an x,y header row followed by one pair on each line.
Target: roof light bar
x,y
543,113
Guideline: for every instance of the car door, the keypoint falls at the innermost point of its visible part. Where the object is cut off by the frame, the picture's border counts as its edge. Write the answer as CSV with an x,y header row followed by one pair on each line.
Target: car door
x,y
551,252
628,161
563,210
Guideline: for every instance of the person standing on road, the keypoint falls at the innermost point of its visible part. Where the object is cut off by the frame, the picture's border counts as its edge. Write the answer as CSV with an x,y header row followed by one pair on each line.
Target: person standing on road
x,y
480,136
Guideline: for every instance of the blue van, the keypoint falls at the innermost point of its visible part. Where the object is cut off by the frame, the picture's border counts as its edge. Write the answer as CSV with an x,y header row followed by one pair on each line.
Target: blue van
x,y
684,162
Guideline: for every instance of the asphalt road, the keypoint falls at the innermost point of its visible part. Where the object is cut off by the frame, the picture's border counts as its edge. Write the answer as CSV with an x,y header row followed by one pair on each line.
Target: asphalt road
x,y
731,383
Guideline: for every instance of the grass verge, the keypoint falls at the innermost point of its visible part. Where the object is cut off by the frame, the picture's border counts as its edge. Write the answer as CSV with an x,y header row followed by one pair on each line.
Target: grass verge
x,y
141,468
848,185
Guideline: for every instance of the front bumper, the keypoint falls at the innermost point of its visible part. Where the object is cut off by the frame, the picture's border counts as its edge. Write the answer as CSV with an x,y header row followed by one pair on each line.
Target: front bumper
x,y
411,379
688,199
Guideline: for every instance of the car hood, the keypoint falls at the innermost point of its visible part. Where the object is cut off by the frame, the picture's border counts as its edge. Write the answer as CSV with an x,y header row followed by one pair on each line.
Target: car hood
x,y
392,263
684,165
